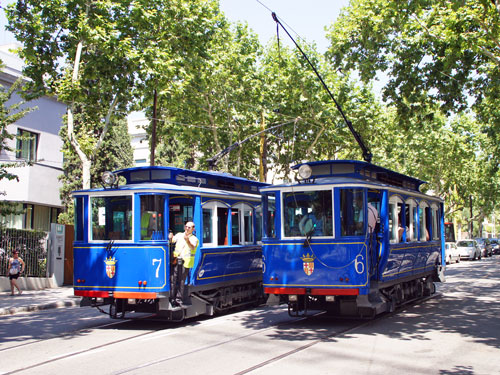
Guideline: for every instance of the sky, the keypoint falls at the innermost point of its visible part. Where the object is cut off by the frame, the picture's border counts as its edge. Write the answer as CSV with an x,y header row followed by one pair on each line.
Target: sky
x,y
305,18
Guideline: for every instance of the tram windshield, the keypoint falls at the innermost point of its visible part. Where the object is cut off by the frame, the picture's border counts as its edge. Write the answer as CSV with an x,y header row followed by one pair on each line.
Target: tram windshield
x,y
111,218
308,213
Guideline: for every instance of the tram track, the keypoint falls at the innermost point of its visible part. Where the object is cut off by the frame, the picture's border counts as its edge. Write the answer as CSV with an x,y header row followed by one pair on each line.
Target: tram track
x,y
283,355
333,335
53,360
53,336
72,354
202,348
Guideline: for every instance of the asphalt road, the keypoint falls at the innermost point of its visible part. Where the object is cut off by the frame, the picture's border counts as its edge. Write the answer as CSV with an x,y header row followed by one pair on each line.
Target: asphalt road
x,y
456,332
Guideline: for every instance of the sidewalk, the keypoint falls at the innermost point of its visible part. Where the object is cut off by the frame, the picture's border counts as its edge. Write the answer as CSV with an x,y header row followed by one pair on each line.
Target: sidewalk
x,y
35,300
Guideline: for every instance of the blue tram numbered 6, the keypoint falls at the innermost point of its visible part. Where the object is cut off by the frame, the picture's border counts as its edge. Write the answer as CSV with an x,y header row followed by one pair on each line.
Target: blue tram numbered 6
x,y
351,238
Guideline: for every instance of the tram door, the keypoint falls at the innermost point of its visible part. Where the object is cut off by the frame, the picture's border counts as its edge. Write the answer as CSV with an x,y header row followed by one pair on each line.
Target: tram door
x,y
373,227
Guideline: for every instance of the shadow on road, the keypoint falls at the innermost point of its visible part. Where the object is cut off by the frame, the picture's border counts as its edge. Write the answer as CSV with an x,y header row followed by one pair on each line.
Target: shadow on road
x,y
467,304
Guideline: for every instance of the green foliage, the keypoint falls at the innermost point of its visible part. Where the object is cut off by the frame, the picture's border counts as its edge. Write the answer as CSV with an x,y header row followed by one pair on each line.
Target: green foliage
x,y
216,85
115,153
440,58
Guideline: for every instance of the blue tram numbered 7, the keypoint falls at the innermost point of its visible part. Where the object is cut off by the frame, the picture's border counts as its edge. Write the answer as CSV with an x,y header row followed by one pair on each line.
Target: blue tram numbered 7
x,y
351,238
122,257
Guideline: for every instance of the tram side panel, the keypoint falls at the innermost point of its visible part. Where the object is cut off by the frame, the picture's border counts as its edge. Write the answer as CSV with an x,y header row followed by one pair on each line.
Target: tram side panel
x,y
121,268
227,264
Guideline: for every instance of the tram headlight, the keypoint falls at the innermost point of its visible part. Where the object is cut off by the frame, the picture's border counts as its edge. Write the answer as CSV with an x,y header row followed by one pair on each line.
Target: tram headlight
x,y
108,178
305,171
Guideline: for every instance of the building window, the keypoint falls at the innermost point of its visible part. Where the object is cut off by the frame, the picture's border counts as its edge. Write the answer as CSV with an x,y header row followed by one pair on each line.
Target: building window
x,y
28,215
27,144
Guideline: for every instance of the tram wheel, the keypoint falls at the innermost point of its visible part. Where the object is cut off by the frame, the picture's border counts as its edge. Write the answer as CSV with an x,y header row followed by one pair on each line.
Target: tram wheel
x,y
113,312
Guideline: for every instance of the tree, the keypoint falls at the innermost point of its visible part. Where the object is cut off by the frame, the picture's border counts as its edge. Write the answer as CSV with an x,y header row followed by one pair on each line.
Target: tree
x,y
98,56
115,153
440,58
77,51
9,114
292,92
216,108
433,51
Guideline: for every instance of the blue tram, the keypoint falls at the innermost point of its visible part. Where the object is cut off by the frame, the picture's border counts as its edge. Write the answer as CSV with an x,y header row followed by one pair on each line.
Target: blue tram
x,y
351,238
121,251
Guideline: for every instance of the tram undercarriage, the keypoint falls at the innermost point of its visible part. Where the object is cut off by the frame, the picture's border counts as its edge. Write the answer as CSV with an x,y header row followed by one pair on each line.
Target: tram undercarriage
x,y
200,302
382,298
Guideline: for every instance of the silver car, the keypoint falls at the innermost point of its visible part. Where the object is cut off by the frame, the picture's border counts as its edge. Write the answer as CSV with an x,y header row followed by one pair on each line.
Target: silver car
x,y
468,249
452,253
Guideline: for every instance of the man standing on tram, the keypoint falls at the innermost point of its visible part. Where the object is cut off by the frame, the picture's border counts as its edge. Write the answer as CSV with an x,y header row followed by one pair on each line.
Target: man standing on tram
x,y
186,244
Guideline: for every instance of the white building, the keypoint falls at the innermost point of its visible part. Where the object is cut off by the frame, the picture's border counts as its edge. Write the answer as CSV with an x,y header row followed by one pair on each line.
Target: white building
x,y
37,190
139,139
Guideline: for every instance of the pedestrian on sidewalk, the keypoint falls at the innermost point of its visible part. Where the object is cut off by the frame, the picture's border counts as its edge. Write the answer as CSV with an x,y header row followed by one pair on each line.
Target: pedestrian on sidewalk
x,y
15,268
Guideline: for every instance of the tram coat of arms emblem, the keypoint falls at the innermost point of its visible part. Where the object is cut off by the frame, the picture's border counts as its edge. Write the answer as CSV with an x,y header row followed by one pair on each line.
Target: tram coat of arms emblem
x,y
110,267
308,263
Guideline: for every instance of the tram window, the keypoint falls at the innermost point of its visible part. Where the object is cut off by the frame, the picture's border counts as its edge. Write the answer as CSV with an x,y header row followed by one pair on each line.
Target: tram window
x,y
248,226
435,223
152,219
269,220
259,224
396,224
411,216
78,220
207,226
393,223
215,215
111,218
242,224
179,214
424,232
235,227
308,213
222,214
352,208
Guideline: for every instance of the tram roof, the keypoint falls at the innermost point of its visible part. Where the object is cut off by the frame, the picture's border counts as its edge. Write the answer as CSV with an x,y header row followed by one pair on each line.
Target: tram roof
x,y
171,189
359,170
185,177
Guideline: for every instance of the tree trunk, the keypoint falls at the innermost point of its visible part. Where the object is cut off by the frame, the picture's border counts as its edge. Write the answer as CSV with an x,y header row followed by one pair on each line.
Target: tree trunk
x,y
263,151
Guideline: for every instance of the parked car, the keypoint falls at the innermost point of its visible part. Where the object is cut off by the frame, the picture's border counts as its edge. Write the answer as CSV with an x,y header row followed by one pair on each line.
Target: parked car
x,y
468,249
485,247
495,246
451,253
